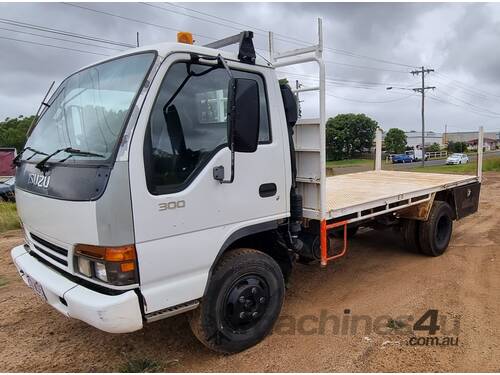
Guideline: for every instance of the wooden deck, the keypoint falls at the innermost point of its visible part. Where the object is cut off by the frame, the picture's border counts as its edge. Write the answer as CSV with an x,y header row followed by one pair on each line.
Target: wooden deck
x,y
356,192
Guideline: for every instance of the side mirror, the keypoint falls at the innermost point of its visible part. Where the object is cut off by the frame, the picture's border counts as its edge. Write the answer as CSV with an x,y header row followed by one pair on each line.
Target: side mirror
x,y
243,118
243,115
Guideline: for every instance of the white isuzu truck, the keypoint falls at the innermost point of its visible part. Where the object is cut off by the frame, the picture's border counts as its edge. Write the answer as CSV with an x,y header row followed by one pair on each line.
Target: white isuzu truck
x,y
177,178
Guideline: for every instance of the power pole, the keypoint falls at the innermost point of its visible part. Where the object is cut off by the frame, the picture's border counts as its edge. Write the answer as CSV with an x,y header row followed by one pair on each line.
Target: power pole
x,y
421,90
445,141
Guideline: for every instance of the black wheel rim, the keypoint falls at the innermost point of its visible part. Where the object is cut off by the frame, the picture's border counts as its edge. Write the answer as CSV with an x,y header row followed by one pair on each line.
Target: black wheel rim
x,y
246,302
443,230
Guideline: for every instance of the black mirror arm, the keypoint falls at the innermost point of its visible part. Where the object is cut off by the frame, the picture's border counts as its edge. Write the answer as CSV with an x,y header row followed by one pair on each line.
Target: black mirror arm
x,y
223,62
219,171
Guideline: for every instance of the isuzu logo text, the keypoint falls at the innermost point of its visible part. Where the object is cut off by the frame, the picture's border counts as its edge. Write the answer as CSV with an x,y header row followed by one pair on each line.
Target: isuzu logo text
x,y
38,180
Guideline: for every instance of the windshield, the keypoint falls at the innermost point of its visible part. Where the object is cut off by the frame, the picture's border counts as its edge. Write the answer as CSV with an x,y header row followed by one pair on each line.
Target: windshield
x,y
455,155
87,112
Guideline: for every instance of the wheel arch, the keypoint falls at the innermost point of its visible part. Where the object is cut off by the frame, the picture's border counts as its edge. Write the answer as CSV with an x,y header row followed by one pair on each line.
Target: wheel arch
x,y
263,237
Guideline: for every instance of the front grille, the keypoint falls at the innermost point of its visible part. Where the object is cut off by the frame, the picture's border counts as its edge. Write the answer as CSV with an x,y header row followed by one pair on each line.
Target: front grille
x,y
54,252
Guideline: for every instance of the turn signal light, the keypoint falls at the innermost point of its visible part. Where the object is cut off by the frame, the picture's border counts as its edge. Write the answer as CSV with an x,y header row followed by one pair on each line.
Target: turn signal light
x,y
185,37
112,254
113,265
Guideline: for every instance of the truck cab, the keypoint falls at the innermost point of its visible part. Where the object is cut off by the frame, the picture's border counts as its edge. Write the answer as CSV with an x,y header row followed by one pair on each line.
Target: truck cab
x,y
131,187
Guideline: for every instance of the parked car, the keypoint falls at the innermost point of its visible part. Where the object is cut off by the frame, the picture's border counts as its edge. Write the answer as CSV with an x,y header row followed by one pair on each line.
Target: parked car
x,y
457,159
7,188
402,158
417,155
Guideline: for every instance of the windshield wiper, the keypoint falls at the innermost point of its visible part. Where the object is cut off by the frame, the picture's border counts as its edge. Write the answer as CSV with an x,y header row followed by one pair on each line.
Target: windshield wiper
x,y
72,151
17,160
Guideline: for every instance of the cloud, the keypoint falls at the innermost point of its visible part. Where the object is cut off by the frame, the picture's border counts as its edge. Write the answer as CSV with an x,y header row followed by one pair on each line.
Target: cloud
x,y
458,40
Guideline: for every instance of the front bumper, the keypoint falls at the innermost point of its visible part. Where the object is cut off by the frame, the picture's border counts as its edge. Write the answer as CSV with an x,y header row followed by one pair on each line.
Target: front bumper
x,y
111,313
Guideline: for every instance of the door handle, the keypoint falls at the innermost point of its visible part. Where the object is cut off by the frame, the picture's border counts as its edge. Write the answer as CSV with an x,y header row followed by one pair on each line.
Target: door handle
x,y
267,190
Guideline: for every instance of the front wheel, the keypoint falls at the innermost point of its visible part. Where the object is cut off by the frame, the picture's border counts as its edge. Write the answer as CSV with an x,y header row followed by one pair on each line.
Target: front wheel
x,y
435,233
243,301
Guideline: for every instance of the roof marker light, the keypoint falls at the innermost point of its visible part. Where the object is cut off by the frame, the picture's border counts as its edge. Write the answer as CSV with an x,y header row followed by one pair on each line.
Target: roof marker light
x,y
185,37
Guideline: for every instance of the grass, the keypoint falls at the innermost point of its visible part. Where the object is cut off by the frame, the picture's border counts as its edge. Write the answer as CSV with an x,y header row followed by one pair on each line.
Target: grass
x,y
396,324
8,217
140,365
3,282
489,165
348,163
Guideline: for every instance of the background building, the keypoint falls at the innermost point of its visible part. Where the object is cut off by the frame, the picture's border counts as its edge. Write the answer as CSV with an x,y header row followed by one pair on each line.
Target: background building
x,y
489,144
468,136
414,138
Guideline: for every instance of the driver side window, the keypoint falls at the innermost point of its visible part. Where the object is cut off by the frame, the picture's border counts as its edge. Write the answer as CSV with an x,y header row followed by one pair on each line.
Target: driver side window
x,y
187,125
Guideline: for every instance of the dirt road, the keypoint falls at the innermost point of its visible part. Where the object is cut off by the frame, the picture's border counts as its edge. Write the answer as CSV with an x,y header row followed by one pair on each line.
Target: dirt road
x,y
376,279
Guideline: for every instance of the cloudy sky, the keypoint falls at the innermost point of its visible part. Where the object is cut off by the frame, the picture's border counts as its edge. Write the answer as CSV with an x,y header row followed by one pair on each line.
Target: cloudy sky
x,y
369,46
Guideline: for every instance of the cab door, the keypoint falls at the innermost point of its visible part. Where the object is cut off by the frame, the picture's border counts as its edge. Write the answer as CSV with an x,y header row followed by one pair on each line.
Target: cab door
x,y
182,215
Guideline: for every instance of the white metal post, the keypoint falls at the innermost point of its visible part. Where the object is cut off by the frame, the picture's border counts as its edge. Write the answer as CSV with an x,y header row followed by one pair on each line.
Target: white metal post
x,y
480,141
322,118
271,47
378,149
299,56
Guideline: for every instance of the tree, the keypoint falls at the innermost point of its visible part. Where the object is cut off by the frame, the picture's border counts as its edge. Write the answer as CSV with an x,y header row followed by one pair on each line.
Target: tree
x,y
349,134
395,141
435,147
458,147
13,132
283,81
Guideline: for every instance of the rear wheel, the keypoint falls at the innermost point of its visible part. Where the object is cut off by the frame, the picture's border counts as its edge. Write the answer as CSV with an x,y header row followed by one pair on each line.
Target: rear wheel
x,y
243,301
435,233
410,232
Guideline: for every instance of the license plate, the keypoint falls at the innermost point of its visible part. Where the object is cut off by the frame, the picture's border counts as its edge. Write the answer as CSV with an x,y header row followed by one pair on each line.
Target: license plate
x,y
37,288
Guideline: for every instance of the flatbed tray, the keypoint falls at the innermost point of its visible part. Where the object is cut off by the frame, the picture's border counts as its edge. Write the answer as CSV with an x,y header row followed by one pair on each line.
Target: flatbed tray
x,y
364,194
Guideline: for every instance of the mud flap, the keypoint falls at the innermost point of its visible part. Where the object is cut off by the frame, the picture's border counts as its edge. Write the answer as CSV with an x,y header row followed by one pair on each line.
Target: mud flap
x,y
466,199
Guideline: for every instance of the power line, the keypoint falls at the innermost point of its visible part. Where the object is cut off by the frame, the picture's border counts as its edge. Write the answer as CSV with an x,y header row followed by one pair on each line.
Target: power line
x,y
264,32
281,37
454,87
371,102
132,19
339,51
62,32
295,40
189,15
51,45
339,80
61,39
366,67
469,110
471,104
465,86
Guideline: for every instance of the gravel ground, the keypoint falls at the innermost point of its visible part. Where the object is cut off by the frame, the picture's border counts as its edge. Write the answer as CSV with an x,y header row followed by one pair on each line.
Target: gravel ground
x,y
377,279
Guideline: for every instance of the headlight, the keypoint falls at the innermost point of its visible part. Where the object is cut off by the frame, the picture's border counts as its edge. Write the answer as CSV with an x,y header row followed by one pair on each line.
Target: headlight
x,y
100,271
84,266
113,265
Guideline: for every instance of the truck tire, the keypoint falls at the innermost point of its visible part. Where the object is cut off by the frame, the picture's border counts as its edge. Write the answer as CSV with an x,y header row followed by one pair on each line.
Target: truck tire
x,y
435,233
410,232
242,302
